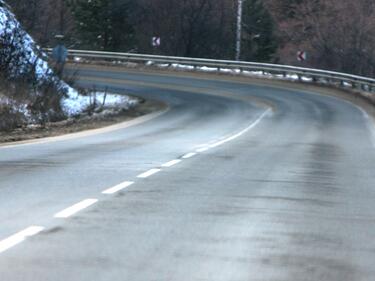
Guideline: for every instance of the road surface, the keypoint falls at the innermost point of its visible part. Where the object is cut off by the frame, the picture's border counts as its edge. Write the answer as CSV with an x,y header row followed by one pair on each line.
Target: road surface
x,y
234,182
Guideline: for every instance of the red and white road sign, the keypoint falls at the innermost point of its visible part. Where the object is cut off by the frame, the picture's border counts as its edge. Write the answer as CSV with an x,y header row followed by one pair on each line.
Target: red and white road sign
x,y
301,55
156,41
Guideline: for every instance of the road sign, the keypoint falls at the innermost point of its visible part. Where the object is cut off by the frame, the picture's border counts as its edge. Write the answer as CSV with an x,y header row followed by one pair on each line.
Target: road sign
x,y
60,53
301,55
156,42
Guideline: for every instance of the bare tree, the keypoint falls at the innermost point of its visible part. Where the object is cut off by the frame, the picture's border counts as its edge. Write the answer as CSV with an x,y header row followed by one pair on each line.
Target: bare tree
x,y
44,19
338,35
202,28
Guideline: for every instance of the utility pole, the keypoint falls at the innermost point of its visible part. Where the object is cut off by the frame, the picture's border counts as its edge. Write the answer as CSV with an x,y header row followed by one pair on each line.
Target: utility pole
x,y
62,14
239,30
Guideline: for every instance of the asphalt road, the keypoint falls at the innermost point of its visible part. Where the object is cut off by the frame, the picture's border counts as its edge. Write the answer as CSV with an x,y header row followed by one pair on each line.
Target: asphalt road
x,y
220,187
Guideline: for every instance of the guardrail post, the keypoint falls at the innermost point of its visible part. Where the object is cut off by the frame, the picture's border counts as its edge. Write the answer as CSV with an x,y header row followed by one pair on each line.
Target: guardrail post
x,y
363,87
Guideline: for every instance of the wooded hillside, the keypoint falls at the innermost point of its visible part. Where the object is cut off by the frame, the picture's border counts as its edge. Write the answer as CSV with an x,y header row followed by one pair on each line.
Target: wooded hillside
x,y
337,35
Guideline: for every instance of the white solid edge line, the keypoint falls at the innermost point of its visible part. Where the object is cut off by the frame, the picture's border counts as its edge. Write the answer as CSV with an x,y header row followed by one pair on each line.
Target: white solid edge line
x,y
19,237
148,173
189,155
75,208
118,187
171,163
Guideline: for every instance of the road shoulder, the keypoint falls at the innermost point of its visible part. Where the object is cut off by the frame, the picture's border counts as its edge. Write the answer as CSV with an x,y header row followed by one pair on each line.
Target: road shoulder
x,y
143,112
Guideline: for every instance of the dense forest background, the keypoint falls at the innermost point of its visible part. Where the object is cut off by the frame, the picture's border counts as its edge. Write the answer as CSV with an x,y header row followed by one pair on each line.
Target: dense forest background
x,y
337,35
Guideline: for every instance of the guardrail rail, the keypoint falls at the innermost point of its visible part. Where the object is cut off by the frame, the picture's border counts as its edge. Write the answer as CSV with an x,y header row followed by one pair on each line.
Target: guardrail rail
x,y
257,69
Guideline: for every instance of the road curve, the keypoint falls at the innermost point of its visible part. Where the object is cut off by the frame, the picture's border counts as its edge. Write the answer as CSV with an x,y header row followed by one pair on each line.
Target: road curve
x,y
234,182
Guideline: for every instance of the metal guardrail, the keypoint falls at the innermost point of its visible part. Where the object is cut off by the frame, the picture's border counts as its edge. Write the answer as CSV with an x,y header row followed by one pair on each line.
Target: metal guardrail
x,y
302,74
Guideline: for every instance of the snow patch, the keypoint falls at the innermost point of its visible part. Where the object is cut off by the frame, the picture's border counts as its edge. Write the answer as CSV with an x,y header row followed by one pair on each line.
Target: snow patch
x,y
183,66
208,69
77,103
227,70
27,58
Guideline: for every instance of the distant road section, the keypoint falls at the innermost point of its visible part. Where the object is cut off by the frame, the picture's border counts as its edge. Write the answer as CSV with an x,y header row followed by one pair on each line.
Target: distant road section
x,y
234,182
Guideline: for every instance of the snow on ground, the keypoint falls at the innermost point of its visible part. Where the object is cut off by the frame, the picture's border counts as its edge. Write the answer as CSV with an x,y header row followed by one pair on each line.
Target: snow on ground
x,y
26,47
16,107
28,58
254,73
182,66
227,70
77,103
208,69
74,104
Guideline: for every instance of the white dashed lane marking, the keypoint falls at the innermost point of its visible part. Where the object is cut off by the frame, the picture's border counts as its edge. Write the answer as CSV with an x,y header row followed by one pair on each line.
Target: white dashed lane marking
x,y
171,163
19,237
76,208
149,173
203,149
34,230
118,187
189,155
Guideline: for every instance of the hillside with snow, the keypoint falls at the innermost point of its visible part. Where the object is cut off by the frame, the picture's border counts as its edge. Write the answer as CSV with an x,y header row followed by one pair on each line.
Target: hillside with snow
x,y
48,98
20,56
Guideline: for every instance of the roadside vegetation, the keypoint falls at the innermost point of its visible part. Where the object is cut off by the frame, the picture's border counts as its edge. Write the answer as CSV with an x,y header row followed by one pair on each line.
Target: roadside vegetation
x,y
337,35
31,93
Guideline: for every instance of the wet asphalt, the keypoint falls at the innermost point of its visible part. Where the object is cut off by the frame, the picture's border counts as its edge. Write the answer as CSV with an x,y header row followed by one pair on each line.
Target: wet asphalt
x,y
288,195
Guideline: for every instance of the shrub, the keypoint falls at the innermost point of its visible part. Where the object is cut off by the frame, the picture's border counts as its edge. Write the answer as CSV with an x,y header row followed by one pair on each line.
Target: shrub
x,y
10,117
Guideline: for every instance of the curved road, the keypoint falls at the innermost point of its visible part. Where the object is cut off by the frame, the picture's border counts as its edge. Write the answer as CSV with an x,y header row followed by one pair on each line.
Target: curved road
x,y
234,182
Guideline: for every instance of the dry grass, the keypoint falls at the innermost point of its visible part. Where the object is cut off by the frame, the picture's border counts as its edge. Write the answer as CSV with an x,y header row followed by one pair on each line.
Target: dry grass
x,y
9,117
80,124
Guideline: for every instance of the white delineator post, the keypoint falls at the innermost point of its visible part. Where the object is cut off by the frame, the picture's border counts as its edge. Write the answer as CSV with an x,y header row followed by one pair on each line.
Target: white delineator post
x,y
239,29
